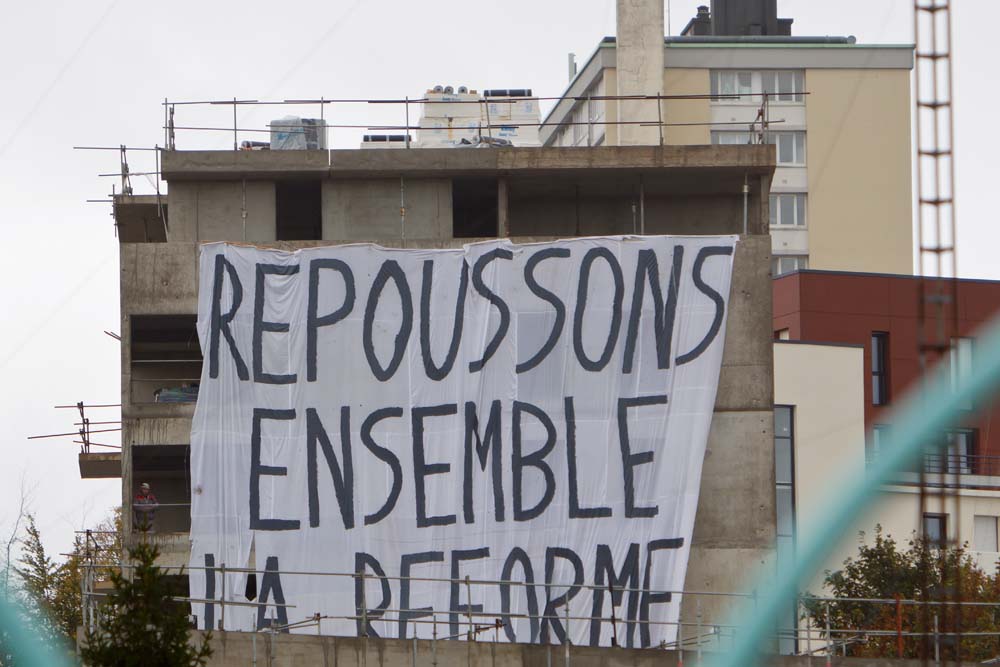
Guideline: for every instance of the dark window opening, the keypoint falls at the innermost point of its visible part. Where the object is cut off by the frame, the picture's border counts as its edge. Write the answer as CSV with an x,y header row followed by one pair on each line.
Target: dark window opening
x,y
474,207
177,586
165,507
880,368
935,529
165,358
298,210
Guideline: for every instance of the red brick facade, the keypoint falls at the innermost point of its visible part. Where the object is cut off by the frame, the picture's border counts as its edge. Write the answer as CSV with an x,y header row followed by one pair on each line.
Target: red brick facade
x,y
838,307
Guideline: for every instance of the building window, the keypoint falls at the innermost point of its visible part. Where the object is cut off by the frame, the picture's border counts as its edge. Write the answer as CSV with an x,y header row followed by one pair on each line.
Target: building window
x,y
784,492
960,451
783,85
729,83
744,86
955,456
782,334
960,365
782,264
984,536
935,529
784,477
880,368
783,444
788,209
791,147
596,113
580,124
876,442
730,138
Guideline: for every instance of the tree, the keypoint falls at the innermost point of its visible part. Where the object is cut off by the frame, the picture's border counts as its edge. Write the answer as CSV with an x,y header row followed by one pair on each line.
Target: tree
x,y
141,624
43,590
54,590
46,596
923,572
12,539
27,633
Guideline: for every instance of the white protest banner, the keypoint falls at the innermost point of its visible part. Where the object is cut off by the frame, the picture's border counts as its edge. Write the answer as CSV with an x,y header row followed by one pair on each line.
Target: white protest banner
x,y
533,416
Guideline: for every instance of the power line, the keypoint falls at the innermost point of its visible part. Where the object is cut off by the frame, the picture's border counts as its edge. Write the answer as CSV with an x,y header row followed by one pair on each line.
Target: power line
x,y
55,80
16,349
315,46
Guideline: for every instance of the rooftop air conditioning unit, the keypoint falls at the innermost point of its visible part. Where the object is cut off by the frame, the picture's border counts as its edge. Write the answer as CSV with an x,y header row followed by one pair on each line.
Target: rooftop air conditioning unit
x,y
292,133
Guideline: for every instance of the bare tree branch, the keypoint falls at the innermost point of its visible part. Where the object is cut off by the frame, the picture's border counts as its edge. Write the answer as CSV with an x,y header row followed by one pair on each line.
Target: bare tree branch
x,y
22,513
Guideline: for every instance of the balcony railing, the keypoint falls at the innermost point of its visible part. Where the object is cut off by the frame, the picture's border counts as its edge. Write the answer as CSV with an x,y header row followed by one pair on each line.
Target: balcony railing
x,y
950,465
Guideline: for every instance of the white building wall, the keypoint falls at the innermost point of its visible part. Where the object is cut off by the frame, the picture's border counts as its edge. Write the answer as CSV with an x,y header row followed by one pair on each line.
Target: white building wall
x,y
900,516
823,383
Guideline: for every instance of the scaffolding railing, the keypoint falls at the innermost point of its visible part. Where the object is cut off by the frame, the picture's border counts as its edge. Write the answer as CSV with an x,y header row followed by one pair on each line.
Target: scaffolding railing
x,y
482,130
705,631
485,125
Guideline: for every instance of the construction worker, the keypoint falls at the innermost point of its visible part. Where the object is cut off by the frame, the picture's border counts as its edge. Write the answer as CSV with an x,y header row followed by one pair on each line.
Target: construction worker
x,y
144,507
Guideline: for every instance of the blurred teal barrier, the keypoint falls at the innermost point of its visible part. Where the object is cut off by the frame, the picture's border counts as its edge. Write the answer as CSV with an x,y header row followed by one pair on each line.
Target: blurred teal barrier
x,y
23,642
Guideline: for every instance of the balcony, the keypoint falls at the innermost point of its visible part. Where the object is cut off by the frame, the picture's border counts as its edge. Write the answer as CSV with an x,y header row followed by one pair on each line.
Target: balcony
x,y
100,465
951,471
141,218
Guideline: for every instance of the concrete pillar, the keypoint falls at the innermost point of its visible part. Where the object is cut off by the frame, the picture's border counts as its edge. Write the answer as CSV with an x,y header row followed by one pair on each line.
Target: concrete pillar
x,y
639,68
503,207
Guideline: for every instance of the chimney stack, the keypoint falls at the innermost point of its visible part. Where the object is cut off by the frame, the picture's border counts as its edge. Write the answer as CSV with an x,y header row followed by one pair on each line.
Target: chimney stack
x,y
700,25
742,18
639,56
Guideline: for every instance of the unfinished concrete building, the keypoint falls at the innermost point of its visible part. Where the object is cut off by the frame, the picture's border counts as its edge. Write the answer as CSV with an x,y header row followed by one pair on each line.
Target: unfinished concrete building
x,y
439,198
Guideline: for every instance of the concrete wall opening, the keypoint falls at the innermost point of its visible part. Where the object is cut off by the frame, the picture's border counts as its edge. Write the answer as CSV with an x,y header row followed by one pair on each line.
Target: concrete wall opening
x,y
165,358
572,206
298,210
166,468
179,587
474,207
596,203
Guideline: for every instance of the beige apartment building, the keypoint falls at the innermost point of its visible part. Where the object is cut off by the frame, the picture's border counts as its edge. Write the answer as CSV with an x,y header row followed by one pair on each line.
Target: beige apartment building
x,y
837,112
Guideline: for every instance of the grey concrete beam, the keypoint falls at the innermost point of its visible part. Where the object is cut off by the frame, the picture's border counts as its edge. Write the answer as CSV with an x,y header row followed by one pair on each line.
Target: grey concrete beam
x,y
100,465
165,430
443,162
237,649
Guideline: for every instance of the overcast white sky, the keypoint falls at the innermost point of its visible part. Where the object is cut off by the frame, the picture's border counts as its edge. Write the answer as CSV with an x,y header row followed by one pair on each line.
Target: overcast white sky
x,y
95,73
